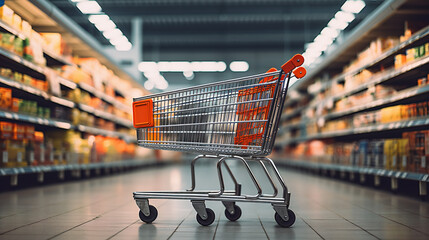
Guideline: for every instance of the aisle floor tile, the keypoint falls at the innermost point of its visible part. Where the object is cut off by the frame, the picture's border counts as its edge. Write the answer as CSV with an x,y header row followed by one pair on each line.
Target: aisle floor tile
x,y
103,208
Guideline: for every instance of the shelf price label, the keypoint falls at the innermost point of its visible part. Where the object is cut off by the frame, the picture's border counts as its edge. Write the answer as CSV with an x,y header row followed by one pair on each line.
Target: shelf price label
x,y
5,156
423,162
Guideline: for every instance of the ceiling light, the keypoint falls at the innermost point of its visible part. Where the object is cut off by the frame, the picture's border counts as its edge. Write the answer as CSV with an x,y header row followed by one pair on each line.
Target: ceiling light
x,y
123,47
174,66
330,32
323,40
239,66
98,18
88,7
344,16
148,85
209,66
189,75
119,40
337,24
105,26
147,66
113,33
353,6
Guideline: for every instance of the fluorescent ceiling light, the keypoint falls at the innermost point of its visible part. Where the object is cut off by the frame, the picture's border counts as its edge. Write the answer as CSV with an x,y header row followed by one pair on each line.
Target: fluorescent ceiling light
x,y
147,66
98,18
113,33
239,66
148,85
353,6
180,66
119,40
344,16
105,26
209,66
330,32
88,7
323,40
336,24
123,47
189,75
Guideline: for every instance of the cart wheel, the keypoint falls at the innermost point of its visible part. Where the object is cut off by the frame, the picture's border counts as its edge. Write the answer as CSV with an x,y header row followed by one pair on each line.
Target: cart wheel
x,y
235,216
284,223
153,213
210,218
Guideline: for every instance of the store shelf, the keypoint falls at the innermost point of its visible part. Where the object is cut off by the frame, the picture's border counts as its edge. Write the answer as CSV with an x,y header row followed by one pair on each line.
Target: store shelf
x,y
73,167
424,177
98,131
35,120
402,95
401,125
67,83
293,113
17,85
105,115
11,30
387,75
36,92
31,68
51,58
422,34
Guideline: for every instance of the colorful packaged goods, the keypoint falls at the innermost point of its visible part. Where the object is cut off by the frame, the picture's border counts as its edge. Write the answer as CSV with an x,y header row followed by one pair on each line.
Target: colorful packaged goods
x,y
5,98
6,14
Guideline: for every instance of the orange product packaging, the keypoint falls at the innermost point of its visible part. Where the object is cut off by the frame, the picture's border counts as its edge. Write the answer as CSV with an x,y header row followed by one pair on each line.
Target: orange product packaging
x,y
6,14
5,98
29,132
53,42
18,131
6,130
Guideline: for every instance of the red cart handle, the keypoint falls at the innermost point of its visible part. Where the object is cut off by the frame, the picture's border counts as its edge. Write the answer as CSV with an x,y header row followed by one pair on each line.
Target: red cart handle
x,y
294,62
300,72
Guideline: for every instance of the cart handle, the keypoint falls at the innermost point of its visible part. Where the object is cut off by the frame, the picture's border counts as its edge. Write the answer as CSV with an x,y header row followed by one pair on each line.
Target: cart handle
x,y
294,62
300,72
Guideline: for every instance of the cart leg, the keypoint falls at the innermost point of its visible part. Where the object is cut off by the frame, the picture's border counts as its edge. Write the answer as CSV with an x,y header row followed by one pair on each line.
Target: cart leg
x,y
236,184
270,179
193,169
200,208
249,171
229,206
281,209
143,204
286,194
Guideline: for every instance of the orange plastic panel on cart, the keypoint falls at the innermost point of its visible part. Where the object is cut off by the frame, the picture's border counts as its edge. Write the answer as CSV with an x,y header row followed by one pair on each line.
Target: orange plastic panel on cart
x,y
143,113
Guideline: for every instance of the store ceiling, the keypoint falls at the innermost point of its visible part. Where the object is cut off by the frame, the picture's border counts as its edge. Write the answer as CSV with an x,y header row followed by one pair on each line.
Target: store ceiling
x,y
264,33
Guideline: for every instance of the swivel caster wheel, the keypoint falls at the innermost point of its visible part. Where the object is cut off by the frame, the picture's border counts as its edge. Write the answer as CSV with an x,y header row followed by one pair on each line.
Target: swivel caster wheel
x,y
153,214
209,220
284,223
235,216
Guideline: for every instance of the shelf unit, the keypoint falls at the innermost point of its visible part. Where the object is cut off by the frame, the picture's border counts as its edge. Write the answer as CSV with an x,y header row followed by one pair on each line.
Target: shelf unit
x,y
63,102
56,97
318,103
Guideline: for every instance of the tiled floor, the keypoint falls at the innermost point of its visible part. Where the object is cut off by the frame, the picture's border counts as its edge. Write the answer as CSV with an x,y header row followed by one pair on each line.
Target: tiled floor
x,y
103,208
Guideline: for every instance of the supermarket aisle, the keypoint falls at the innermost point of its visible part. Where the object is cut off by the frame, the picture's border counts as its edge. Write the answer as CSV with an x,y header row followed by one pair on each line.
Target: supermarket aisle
x,y
103,208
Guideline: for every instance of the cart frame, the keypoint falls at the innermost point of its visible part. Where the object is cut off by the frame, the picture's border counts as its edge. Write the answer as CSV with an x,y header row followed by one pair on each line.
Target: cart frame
x,y
244,154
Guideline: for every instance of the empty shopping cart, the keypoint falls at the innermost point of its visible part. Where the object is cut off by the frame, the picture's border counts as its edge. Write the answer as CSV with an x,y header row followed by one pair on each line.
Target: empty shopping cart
x,y
227,120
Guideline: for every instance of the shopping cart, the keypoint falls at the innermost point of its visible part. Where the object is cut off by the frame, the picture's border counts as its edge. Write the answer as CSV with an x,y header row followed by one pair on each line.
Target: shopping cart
x,y
228,120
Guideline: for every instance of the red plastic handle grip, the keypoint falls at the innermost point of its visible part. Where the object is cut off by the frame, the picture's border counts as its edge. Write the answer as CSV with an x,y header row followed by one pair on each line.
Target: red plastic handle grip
x,y
300,72
294,62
